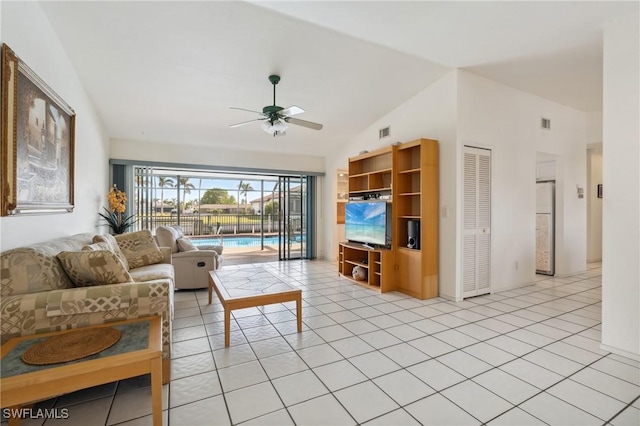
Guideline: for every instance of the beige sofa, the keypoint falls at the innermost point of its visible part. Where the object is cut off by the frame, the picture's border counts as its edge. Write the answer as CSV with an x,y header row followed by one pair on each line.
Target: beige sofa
x,y
37,295
192,264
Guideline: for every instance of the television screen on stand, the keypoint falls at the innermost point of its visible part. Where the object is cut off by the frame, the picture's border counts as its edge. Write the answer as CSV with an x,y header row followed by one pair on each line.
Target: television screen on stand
x,y
368,222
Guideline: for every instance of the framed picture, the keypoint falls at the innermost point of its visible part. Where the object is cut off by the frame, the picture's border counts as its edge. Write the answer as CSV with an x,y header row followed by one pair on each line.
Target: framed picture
x,y
599,190
38,130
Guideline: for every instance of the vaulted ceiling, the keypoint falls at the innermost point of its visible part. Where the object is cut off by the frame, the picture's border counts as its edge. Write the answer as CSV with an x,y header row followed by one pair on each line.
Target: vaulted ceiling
x,y
169,71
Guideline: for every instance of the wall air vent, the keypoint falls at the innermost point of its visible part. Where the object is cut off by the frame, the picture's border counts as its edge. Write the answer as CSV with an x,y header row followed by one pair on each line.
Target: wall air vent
x,y
545,123
384,133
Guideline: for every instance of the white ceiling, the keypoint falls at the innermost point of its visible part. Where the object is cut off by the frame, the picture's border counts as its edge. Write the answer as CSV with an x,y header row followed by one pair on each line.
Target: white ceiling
x,y
169,71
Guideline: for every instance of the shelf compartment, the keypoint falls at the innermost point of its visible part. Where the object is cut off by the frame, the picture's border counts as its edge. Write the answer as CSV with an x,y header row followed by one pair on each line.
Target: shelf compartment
x,y
371,162
409,205
372,261
359,183
403,234
409,158
379,181
355,263
409,183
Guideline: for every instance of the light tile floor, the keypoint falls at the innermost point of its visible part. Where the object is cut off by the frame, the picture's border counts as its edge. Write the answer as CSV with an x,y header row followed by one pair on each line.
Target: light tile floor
x,y
527,356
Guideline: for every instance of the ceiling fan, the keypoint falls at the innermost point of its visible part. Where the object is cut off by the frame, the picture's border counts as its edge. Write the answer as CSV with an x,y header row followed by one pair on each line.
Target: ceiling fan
x,y
275,118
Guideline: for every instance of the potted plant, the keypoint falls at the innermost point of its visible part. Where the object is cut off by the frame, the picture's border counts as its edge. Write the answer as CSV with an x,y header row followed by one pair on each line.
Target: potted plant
x,y
114,214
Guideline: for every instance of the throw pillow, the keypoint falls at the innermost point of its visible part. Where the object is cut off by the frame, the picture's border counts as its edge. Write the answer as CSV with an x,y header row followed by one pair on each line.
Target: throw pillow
x,y
140,248
114,247
93,267
185,244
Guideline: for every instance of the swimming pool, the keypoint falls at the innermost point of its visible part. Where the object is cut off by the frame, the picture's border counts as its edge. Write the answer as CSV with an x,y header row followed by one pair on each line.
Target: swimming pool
x,y
234,242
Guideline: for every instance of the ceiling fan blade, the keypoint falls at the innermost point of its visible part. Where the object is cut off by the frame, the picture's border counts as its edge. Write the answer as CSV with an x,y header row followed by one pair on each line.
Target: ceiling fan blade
x,y
246,122
303,123
292,110
244,109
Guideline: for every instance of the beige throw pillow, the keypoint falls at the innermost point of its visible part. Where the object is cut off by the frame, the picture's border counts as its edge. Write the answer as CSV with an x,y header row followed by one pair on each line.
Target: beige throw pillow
x,y
93,267
114,247
140,248
185,244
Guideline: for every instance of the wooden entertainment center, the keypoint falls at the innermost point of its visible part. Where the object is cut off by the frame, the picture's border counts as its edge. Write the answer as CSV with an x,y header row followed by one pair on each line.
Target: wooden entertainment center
x,y
406,176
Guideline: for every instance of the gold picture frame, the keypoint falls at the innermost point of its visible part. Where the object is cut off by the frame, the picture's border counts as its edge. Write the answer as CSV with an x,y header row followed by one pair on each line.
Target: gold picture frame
x,y
38,143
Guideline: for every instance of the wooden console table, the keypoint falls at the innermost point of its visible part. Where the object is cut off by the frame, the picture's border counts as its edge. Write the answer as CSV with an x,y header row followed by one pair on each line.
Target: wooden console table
x,y
250,287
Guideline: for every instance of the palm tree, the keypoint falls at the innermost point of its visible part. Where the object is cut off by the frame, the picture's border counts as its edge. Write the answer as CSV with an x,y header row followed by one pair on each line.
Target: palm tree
x,y
243,189
164,181
186,189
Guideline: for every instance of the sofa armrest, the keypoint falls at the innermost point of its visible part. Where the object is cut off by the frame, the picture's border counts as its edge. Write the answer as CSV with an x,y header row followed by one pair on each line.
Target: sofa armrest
x,y
34,313
192,268
194,254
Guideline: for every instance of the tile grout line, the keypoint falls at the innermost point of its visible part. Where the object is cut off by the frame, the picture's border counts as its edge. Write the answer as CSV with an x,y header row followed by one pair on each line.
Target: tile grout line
x,y
451,328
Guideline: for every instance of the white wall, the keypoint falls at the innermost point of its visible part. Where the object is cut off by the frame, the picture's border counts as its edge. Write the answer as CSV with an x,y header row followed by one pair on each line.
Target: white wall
x,y
507,121
621,178
27,31
213,156
230,159
466,109
429,114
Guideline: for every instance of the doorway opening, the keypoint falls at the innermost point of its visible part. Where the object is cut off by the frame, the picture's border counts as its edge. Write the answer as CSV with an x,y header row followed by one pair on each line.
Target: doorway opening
x,y
595,195
545,237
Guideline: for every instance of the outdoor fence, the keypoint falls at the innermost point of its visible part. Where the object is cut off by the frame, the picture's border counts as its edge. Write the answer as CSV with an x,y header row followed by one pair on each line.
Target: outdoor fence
x,y
229,224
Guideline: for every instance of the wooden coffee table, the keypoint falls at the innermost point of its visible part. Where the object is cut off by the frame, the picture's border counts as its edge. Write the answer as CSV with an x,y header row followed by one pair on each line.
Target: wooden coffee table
x,y
139,351
250,287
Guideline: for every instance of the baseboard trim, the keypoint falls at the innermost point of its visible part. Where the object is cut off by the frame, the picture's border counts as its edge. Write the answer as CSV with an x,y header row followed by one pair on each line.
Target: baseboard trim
x,y
571,274
621,352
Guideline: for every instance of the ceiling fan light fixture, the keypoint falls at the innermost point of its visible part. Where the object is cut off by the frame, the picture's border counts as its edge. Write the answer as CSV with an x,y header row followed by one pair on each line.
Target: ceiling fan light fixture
x,y
277,128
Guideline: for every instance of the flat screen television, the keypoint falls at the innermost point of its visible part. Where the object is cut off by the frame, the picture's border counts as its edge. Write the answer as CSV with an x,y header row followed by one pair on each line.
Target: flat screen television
x,y
368,222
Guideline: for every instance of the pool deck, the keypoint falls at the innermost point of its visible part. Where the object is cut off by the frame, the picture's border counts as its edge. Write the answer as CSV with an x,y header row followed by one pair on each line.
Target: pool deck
x,y
249,254
244,255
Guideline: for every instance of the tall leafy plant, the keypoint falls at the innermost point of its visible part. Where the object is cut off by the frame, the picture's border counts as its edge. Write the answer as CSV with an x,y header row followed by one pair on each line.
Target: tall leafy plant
x,y
117,221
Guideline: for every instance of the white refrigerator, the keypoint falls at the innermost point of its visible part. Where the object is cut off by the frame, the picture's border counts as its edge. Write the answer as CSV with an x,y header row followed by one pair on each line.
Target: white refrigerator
x,y
545,227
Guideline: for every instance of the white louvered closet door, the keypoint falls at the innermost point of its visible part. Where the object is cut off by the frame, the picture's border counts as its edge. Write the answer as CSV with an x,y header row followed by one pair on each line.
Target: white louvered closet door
x,y
476,270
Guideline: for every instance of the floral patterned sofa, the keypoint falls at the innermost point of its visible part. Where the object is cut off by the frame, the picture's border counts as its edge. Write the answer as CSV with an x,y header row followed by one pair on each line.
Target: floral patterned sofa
x,y
44,287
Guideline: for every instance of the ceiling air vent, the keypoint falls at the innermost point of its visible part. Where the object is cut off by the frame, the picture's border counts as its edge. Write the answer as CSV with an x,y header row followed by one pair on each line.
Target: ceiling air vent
x,y
384,133
545,123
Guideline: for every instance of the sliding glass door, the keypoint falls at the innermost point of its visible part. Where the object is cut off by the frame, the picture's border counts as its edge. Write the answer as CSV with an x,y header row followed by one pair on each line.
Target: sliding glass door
x,y
293,217
249,214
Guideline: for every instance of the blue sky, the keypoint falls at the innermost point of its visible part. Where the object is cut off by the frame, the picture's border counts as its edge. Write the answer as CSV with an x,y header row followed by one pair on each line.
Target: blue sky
x,y
230,184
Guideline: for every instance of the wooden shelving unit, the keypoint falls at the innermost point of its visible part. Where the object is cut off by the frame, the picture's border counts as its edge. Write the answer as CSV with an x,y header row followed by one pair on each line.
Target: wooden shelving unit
x,y
408,175
371,173
342,195
415,198
377,263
